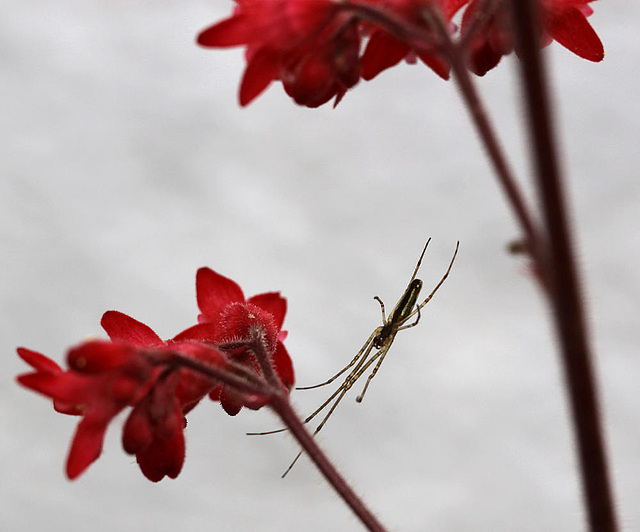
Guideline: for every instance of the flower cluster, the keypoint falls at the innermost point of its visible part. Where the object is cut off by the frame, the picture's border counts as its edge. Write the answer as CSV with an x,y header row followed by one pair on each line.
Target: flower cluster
x,y
314,47
157,379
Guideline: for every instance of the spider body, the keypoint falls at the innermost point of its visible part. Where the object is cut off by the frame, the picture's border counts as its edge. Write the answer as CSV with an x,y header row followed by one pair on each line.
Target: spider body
x,y
400,314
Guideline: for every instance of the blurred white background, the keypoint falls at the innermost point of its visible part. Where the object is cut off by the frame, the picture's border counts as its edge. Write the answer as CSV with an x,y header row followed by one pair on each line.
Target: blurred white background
x,y
126,164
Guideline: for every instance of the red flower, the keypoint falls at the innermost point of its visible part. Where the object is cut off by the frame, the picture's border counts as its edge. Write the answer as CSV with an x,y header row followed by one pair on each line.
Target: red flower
x,y
227,318
312,46
564,21
163,380
105,377
492,42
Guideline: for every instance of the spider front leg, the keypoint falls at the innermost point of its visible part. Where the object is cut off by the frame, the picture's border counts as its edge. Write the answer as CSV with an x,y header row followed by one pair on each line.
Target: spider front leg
x,y
442,280
384,317
403,327
365,348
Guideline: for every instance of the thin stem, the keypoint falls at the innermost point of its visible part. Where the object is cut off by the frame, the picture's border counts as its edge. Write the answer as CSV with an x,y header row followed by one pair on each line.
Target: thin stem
x,y
256,346
233,374
563,277
457,57
266,364
282,407
247,381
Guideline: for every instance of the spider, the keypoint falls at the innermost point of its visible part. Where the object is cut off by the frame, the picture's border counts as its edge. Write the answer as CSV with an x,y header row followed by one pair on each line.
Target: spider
x,y
376,347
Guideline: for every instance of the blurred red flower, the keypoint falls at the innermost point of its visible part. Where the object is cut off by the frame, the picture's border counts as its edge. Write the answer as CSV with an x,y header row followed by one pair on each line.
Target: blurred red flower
x,y
564,21
311,46
137,369
105,377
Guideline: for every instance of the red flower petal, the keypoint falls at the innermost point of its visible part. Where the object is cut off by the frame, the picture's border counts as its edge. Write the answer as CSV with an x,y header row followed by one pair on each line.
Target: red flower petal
x,y
137,433
70,409
38,361
261,70
64,387
437,64
207,332
273,303
214,292
231,403
214,394
383,51
573,31
87,444
124,328
233,31
164,457
98,356
283,366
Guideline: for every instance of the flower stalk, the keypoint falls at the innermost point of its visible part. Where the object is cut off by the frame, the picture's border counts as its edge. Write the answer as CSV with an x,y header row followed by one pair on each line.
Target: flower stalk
x,y
563,275
279,401
281,404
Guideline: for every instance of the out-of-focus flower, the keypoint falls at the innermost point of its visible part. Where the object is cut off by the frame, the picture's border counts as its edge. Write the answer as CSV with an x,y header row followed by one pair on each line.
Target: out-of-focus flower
x,y
312,46
163,380
104,378
133,370
564,21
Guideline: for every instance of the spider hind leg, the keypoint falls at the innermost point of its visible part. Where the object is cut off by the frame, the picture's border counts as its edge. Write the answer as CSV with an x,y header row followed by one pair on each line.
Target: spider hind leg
x,y
366,349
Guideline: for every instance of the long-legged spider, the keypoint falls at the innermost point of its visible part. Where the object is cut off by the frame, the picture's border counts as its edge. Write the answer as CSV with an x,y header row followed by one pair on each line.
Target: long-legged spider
x,y
378,343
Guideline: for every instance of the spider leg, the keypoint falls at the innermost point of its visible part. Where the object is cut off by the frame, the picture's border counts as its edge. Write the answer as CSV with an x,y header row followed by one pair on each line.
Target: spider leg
x,y
342,389
340,393
403,327
415,272
380,356
291,464
276,431
366,348
444,277
384,317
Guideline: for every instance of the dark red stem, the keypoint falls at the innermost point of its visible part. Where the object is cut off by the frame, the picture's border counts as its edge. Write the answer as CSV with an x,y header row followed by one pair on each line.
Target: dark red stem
x,y
563,277
457,56
234,375
282,407
246,381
